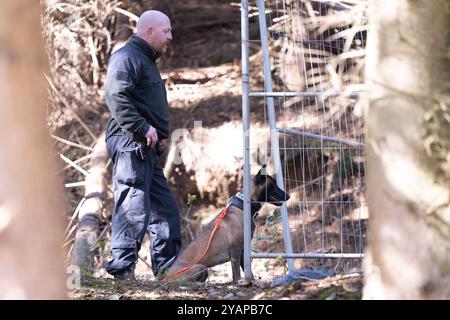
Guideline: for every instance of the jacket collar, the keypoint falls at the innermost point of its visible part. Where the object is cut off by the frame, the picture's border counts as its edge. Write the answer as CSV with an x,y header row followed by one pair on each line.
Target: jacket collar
x,y
144,47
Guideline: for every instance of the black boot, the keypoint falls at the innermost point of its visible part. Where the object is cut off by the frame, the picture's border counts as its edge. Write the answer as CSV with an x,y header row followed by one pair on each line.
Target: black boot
x,y
126,275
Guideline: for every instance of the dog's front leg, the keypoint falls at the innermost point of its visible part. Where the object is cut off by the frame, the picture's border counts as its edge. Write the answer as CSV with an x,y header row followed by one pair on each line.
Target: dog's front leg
x,y
236,264
198,272
242,265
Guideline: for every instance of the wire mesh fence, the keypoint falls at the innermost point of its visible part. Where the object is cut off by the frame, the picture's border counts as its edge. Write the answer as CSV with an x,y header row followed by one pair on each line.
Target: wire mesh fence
x,y
316,51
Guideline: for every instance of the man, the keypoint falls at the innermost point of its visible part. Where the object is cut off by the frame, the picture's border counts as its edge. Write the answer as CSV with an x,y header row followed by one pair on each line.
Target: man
x,y
136,132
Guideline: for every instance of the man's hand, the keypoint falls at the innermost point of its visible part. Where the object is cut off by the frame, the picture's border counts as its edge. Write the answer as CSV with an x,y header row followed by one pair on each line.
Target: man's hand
x,y
152,137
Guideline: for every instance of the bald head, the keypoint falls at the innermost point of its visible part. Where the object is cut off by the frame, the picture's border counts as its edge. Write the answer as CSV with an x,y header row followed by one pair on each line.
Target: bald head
x,y
150,18
154,27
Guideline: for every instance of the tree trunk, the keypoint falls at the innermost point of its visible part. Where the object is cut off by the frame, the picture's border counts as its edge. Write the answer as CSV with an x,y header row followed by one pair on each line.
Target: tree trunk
x,y
91,209
408,144
31,208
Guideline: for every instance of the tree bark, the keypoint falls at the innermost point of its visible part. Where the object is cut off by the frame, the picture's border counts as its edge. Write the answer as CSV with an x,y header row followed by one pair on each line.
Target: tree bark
x,y
408,144
31,207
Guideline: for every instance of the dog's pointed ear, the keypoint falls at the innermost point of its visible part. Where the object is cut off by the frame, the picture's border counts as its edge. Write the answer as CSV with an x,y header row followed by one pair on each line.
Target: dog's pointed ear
x,y
262,171
261,175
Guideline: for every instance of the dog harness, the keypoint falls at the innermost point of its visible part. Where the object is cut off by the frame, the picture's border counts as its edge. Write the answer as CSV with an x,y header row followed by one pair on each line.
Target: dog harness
x,y
238,201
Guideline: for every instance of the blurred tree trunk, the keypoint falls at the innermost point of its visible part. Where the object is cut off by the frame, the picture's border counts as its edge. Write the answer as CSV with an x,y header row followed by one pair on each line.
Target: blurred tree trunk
x,y
31,210
408,149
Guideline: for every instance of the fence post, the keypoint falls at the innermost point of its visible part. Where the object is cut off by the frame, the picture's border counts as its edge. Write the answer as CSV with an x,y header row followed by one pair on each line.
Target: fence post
x,y
273,129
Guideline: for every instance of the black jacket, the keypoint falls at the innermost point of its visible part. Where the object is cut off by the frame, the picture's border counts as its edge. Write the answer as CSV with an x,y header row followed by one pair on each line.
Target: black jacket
x,y
134,91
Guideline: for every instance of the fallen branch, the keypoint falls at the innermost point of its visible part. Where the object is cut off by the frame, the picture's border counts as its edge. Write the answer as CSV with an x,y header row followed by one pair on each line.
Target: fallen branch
x,y
90,211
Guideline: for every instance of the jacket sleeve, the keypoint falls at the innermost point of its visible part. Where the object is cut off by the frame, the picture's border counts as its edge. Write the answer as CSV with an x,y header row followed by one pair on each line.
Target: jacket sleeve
x,y
121,78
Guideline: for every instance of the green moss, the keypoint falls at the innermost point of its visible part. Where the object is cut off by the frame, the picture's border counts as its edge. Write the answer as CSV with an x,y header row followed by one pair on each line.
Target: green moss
x,y
327,293
351,296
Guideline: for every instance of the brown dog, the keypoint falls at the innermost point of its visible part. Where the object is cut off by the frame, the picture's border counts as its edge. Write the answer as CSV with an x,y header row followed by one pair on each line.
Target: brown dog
x,y
227,242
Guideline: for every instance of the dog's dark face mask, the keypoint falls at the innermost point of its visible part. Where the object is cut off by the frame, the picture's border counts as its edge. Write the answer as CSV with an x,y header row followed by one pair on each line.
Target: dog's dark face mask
x,y
265,189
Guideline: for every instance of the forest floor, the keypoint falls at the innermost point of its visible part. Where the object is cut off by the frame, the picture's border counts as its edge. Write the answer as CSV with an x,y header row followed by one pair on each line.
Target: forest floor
x,y
204,83
219,286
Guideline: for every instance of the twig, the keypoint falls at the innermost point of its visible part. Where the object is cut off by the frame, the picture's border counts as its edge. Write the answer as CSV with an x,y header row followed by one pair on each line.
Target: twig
x,y
127,13
108,163
313,181
68,242
75,184
75,213
186,219
95,65
146,263
70,250
100,237
73,164
70,108
70,233
86,157
70,143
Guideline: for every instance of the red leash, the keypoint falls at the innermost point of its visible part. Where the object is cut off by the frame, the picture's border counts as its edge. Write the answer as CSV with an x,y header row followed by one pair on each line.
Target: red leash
x,y
217,226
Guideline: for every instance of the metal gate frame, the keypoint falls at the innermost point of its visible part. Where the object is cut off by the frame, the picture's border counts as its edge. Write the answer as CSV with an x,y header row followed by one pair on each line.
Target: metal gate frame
x,y
269,95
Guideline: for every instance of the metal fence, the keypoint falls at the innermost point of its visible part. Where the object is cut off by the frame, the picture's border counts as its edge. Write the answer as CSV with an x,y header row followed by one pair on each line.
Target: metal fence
x,y
312,55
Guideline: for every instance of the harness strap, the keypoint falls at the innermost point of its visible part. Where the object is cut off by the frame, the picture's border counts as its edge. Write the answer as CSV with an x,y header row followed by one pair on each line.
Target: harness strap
x,y
217,226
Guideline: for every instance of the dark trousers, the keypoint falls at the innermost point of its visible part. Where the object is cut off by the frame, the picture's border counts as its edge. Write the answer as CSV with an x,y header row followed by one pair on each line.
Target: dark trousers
x,y
143,201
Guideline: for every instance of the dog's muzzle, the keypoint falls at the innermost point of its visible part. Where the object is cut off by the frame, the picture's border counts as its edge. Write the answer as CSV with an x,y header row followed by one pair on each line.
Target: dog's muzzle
x,y
278,196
